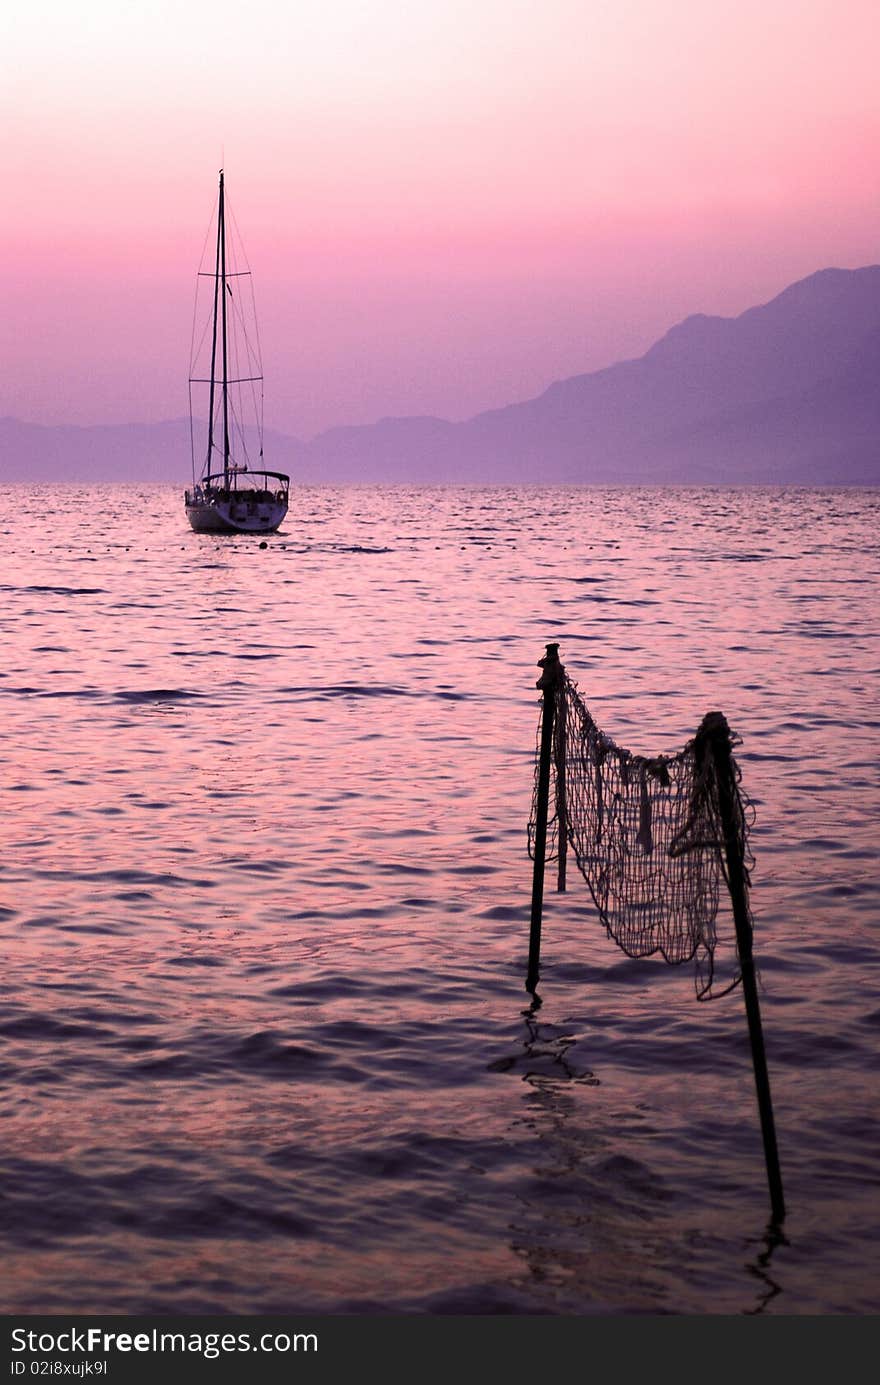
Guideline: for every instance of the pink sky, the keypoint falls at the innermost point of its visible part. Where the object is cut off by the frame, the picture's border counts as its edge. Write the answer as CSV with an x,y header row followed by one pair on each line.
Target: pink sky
x,y
446,205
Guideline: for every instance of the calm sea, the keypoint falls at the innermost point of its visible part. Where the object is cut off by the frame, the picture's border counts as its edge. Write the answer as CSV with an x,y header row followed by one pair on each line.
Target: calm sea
x,y
265,896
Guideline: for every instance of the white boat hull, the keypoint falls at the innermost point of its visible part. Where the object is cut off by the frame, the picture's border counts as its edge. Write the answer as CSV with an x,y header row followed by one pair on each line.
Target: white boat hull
x,y
235,516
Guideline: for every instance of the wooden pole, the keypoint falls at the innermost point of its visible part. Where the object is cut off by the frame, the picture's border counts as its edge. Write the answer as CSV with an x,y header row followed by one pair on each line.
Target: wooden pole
x,y
548,682
718,732
561,802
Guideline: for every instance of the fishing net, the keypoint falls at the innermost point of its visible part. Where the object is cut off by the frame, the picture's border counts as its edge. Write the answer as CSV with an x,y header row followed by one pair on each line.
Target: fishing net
x,y
648,837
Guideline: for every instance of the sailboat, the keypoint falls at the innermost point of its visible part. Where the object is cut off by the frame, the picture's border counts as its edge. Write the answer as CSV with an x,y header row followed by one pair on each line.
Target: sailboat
x,y
229,494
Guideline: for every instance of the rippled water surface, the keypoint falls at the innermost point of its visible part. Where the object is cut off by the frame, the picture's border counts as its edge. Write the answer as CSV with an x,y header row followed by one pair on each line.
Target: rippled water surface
x,y
264,901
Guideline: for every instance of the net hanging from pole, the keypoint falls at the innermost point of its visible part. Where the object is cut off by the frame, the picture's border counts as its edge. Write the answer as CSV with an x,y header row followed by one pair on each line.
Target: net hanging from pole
x,y
647,837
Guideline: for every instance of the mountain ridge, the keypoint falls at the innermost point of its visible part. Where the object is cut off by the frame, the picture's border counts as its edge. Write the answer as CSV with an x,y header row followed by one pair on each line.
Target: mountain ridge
x,y
787,390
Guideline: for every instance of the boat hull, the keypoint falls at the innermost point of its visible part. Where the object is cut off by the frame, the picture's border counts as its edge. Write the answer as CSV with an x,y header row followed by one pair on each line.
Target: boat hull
x,y
235,516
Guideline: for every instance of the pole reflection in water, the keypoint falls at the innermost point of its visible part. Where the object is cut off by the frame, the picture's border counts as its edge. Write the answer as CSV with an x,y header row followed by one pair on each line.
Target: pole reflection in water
x,y
596,1210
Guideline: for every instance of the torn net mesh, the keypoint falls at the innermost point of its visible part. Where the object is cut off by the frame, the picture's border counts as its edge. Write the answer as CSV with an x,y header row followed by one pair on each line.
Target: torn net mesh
x,y
648,839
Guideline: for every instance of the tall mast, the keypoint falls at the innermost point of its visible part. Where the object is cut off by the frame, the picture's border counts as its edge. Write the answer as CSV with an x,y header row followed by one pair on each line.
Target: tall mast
x,y
214,336
221,233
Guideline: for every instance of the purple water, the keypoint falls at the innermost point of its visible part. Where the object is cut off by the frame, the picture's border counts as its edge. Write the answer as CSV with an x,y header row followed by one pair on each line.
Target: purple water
x,y
264,899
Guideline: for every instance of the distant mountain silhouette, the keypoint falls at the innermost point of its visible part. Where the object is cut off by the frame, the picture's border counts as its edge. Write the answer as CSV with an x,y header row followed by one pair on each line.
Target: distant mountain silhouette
x,y
788,392
142,452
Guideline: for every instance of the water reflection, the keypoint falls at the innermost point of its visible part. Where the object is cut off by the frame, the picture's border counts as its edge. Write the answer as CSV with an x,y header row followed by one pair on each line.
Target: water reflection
x,y
596,1210
759,1268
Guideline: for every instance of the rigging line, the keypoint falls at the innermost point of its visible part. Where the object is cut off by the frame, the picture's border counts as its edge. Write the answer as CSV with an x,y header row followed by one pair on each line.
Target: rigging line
x,y
194,355
211,225
192,335
256,322
251,356
237,426
217,414
259,358
238,411
238,243
258,409
212,393
192,439
241,337
238,236
253,353
238,307
196,303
